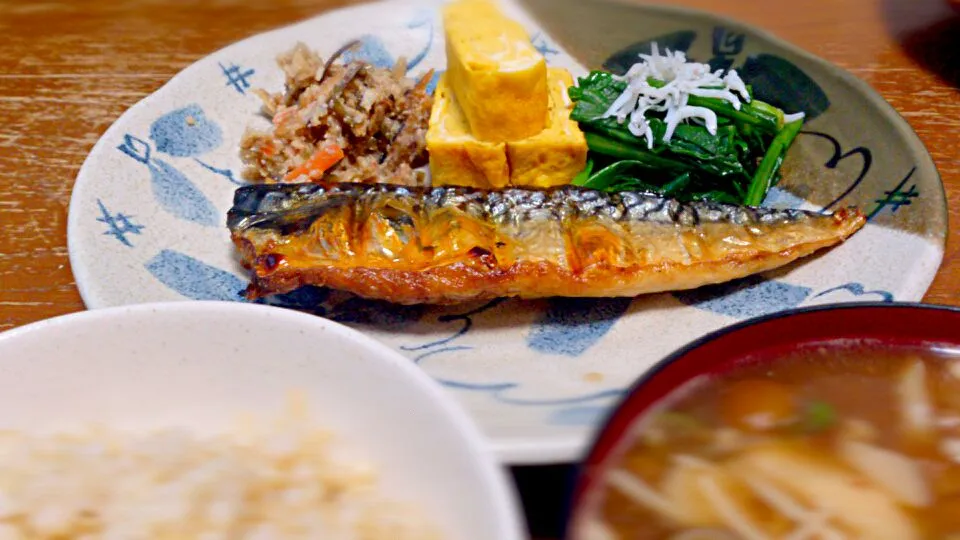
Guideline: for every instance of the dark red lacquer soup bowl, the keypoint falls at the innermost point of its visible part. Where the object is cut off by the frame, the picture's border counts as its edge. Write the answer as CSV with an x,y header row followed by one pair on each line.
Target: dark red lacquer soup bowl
x,y
838,421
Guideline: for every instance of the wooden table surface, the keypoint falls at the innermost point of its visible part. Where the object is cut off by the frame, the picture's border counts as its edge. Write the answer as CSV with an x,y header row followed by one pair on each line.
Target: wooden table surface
x,y
69,68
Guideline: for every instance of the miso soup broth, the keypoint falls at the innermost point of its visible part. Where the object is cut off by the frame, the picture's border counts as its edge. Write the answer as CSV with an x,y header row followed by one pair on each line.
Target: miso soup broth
x,y
826,442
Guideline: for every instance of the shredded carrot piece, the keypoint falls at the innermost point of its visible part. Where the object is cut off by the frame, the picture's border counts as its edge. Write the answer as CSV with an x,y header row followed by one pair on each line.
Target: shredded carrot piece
x,y
268,149
323,159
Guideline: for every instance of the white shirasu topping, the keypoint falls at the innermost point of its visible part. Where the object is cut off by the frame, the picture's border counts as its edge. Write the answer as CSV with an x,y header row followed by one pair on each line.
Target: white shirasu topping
x,y
791,118
682,79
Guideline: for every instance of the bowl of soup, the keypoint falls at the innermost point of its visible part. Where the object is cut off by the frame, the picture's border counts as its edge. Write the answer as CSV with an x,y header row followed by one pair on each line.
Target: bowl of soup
x,y
833,422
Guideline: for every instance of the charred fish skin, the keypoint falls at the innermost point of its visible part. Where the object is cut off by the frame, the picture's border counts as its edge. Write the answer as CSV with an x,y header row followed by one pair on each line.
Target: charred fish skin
x,y
450,244
265,205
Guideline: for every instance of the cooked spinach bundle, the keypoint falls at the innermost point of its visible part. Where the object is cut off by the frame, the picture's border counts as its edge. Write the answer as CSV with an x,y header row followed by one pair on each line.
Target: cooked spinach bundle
x,y
675,128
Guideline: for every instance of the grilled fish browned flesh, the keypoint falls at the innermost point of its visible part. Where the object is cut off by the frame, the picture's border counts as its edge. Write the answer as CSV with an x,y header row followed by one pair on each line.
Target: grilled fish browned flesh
x,y
446,245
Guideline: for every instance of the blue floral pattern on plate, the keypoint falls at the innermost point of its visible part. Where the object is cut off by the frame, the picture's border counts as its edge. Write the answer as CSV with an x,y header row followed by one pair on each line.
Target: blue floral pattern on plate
x,y
568,326
513,362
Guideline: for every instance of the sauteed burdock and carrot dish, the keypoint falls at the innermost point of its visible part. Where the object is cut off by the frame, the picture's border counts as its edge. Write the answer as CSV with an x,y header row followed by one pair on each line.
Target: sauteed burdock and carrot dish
x,y
826,442
538,185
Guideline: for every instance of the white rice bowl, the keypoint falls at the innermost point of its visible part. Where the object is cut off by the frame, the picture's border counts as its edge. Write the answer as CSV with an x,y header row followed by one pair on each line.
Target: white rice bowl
x,y
152,394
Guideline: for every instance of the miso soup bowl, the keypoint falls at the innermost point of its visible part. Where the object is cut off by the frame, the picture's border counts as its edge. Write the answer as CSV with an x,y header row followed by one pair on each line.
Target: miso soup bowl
x,y
763,339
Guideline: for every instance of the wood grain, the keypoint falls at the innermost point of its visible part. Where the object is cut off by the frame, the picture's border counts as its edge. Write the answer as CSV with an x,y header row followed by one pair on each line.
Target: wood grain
x,y
69,68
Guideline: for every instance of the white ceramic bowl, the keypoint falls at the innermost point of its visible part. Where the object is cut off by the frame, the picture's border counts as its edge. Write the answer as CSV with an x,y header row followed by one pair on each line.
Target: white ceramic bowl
x,y
199,364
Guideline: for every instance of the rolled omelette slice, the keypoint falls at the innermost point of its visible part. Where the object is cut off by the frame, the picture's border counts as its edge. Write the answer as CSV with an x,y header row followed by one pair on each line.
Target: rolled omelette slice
x,y
499,78
549,158
555,155
456,156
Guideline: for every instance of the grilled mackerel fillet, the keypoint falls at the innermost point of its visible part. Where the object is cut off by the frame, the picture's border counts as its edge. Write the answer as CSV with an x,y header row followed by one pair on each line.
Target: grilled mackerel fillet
x,y
446,245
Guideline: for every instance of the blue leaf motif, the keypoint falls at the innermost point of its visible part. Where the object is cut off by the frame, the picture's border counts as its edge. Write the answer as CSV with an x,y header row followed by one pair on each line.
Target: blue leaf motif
x,y
782,84
745,298
194,279
185,132
371,50
177,195
572,325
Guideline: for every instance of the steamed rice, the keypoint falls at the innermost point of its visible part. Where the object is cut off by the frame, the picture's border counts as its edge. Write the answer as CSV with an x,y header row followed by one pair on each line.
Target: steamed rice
x,y
261,482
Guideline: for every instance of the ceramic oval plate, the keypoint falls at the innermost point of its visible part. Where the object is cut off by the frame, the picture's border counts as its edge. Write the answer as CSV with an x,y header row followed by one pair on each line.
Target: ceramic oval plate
x,y
147,217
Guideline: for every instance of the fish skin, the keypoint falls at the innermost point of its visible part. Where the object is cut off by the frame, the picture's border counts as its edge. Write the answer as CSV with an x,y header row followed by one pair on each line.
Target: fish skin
x,y
451,244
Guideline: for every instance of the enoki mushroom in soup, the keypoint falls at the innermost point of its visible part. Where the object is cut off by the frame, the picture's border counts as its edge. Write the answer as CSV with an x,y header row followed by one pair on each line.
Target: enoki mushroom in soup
x,y
826,443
